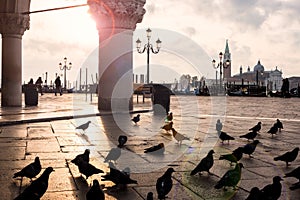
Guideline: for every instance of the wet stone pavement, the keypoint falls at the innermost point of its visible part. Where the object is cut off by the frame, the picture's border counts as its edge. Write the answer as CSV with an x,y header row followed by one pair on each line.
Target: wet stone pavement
x,y
56,141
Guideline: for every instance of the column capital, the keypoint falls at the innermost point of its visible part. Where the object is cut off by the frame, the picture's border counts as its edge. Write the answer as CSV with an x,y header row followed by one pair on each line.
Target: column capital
x,y
14,23
116,14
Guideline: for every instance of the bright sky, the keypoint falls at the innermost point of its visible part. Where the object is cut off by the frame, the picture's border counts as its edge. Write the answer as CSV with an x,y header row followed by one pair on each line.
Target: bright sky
x,y
256,29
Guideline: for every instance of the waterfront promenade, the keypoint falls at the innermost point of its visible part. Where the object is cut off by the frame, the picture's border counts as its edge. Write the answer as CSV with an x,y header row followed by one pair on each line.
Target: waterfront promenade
x,y
48,131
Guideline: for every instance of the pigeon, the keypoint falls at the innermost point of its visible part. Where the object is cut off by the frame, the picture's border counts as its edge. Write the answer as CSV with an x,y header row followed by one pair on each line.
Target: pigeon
x,y
164,183
250,136
37,188
149,196
160,148
95,192
85,157
272,191
233,157
273,130
88,169
167,127
255,194
256,128
205,164
169,117
113,154
31,170
231,177
288,156
219,125
122,140
179,137
224,136
84,126
250,148
295,186
118,177
295,173
136,119
279,125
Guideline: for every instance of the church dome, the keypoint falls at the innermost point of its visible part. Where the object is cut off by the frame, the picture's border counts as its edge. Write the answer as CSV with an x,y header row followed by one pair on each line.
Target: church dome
x,y
259,67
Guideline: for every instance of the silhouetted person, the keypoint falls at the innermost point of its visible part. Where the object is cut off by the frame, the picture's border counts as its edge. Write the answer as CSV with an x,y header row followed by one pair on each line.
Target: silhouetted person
x,y
57,83
38,84
31,81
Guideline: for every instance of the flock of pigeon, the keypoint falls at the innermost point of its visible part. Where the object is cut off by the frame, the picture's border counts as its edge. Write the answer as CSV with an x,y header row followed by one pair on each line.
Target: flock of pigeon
x,y
232,177
121,178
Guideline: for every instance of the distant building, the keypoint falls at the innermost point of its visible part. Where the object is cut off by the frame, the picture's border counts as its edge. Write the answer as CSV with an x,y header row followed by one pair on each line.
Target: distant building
x,y
294,81
227,56
259,76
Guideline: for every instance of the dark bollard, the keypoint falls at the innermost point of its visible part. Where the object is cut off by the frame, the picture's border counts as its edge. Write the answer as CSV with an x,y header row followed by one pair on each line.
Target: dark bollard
x,y
31,95
161,99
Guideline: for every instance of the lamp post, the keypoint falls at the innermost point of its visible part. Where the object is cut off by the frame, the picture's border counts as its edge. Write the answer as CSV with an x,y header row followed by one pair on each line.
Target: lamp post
x,y
65,67
221,65
149,47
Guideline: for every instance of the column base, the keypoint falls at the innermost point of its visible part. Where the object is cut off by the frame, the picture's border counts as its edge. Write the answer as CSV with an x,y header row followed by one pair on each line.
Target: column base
x,y
115,104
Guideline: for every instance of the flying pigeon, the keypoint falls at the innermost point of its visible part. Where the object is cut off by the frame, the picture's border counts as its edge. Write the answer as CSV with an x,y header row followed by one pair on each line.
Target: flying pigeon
x,y
235,156
84,126
160,148
122,140
295,173
272,191
88,169
256,128
167,127
273,130
249,136
179,137
231,177
255,194
95,192
250,148
169,117
288,156
164,183
85,157
37,188
31,170
118,177
219,125
113,154
149,196
224,136
205,164
136,119
279,125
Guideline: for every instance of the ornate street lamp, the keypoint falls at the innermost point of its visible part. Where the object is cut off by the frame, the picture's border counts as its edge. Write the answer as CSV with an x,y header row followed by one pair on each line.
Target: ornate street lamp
x,y
65,67
149,47
221,65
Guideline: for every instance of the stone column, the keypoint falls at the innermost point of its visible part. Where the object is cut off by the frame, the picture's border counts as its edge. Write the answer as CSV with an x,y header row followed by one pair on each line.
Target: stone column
x,y
12,26
116,20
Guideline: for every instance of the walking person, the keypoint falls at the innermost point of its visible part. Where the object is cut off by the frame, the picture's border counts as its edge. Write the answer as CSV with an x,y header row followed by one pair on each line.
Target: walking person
x,y
38,84
58,86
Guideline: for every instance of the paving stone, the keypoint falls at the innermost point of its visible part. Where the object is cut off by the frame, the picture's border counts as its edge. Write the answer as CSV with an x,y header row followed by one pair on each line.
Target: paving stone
x,y
12,153
15,132
42,145
199,124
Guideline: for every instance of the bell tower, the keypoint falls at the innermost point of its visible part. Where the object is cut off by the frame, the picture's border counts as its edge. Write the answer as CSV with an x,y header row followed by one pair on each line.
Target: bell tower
x,y
227,56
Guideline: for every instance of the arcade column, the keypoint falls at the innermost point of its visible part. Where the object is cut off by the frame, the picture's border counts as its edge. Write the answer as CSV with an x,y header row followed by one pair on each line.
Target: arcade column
x,y
116,20
13,24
